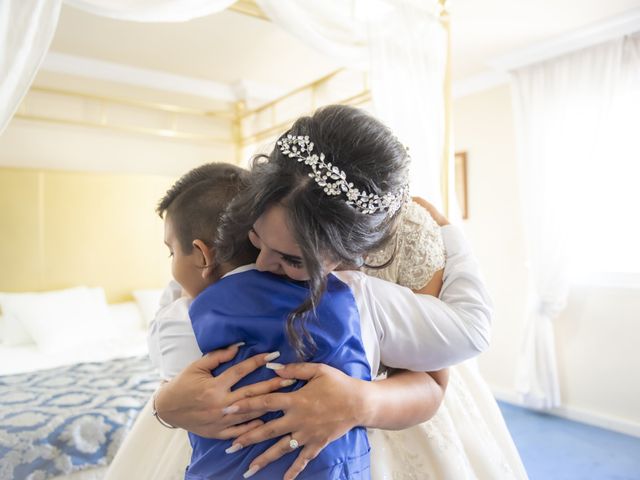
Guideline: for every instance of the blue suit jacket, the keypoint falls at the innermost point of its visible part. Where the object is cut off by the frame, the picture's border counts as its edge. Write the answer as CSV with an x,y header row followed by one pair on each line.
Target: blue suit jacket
x,y
252,307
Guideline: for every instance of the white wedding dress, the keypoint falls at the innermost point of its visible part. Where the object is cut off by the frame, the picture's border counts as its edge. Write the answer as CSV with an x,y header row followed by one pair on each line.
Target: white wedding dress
x,y
467,438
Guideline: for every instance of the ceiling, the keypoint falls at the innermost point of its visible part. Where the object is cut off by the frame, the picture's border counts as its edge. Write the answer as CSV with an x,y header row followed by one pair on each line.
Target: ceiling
x,y
231,49
226,47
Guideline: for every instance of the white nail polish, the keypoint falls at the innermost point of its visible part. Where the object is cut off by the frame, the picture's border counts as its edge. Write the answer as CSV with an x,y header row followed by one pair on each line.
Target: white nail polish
x,y
239,344
251,472
271,356
231,409
288,382
233,448
274,366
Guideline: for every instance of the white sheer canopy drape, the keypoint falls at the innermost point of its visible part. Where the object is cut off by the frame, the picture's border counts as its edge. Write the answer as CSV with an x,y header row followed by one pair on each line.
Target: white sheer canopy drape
x,y
562,109
408,60
27,28
26,31
404,46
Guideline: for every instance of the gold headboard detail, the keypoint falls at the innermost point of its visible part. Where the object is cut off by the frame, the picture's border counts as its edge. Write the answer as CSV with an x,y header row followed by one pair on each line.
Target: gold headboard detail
x,y
60,229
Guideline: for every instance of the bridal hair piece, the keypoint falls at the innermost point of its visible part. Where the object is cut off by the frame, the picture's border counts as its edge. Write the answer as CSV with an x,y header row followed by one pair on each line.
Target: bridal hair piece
x,y
334,181
330,214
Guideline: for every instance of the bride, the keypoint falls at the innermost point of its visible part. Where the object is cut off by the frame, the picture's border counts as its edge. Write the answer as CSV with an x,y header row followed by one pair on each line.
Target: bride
x,y
467,438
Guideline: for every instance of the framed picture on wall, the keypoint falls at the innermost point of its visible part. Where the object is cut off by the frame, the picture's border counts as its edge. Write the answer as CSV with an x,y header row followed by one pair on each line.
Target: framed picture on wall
x,y
460,182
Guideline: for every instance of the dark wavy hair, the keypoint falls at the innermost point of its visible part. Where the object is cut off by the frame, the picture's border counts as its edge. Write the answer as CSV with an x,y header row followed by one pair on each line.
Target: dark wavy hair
x,y
325,227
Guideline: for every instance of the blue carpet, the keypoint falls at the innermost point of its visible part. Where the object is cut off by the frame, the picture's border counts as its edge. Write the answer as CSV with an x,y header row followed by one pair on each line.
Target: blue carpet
x,y
553,448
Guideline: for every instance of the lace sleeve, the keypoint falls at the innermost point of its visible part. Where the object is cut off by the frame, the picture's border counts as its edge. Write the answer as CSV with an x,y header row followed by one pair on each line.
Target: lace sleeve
x,y
421,249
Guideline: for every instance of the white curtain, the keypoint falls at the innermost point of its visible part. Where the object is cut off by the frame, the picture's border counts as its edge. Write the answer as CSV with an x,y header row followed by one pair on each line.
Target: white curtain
x,y
27,28
334,27
151,10
403,45
562,108
408,60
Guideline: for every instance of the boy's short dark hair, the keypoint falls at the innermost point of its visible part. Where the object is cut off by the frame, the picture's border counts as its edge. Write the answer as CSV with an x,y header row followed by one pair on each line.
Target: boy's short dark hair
x,y
197,201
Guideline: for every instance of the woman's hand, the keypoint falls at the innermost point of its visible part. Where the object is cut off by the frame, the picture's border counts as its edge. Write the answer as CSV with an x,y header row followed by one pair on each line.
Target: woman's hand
x,y
197,401
326,408
332,403
435,214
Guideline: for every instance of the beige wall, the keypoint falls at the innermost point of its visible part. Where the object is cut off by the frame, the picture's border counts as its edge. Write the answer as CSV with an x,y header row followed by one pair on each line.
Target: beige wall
x,y
61,229
597,335
483,128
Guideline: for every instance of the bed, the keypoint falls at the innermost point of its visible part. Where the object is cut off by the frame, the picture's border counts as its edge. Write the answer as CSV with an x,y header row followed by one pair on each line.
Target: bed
x,y
66,404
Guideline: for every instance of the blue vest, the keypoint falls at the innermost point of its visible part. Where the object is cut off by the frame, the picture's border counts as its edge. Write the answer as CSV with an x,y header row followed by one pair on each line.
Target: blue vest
x,y
252,307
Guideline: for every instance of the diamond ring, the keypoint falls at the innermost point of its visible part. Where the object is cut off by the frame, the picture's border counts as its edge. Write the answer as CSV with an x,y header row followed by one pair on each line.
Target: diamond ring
x,y
293,443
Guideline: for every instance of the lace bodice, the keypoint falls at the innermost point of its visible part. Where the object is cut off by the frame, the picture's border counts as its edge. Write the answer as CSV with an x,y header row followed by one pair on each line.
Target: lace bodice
x,y
419,250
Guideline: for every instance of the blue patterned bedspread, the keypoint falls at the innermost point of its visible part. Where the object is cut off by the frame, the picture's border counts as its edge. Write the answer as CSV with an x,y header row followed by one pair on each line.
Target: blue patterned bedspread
x,y
57,421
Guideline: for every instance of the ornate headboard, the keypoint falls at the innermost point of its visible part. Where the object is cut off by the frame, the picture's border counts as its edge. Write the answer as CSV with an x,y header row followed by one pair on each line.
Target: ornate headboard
x,y
60,229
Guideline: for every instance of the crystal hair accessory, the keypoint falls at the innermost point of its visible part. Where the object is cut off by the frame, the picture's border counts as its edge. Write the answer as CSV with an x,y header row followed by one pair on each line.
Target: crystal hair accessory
x,y
334,181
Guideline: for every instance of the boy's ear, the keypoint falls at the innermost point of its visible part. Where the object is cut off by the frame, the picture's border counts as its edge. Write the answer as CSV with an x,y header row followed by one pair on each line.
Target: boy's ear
x,y
207,255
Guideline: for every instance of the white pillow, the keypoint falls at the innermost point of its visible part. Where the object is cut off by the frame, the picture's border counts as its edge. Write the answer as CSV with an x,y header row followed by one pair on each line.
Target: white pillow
x,y
61,319
125,318
1,327
14,333
149,303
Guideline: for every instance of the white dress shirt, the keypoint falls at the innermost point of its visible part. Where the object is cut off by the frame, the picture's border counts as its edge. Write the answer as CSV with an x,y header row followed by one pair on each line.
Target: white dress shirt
x,y
400,329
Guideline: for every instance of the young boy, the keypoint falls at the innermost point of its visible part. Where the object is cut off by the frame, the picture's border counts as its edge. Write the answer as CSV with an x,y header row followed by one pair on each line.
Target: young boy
x,y
191,210
243,305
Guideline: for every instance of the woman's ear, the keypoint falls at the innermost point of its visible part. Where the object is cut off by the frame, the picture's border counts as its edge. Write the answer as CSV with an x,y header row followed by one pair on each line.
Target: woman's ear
x,y
207,255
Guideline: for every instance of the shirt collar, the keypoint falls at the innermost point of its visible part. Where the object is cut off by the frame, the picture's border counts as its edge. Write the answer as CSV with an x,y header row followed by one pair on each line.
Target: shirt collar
x,y
243,268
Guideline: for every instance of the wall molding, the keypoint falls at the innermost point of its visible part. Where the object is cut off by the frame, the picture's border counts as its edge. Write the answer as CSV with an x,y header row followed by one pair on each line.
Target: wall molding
x,y
497,73
479,83
255,93
588,417
155,79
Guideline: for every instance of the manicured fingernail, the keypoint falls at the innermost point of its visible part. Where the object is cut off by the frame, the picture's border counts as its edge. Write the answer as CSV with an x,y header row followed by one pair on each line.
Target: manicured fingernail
x,y
251,472
234,448
239,344
231,409
271,356
288,382
274,366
